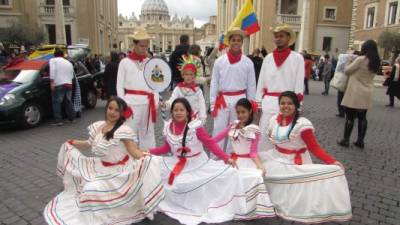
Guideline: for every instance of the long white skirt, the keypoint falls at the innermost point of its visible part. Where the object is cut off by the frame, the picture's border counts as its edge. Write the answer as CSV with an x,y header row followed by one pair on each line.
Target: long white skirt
x,y
94,194
210,191
309,193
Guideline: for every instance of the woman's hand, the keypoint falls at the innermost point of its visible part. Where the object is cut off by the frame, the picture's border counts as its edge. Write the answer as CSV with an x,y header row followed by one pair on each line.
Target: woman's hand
x,y
339,164
232,163
263,170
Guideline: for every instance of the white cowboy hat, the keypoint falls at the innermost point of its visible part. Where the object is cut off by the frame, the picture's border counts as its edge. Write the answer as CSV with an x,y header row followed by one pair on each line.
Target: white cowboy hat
x,y
287,29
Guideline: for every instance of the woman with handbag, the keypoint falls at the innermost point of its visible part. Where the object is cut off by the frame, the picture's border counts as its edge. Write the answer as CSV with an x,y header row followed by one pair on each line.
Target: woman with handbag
x,y
358,94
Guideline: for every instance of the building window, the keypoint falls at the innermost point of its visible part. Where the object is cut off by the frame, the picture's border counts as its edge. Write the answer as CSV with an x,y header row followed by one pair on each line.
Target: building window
x,y
5,3
330,13
370,19
68,34
326,44
51,33
51,2
392,12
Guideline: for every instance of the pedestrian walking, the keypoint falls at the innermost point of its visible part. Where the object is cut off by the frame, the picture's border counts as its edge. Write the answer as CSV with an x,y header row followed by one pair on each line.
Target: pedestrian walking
x,y
110,75
358,95
257,62
176,58
327,74
393,89
308,66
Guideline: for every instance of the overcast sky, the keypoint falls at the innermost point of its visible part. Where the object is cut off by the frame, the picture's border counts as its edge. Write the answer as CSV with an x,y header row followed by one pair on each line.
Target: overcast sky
x,y
199,10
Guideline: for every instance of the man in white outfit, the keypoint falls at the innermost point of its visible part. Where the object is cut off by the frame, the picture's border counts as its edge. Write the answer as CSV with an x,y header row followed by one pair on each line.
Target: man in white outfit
x,y
282,70
132,87
233,78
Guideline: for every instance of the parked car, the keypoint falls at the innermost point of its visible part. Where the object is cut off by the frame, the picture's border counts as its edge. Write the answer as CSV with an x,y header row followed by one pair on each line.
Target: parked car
x,y
25,96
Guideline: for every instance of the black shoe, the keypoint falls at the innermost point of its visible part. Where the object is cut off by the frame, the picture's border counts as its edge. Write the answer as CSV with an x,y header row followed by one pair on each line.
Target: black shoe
x,y
340,115
359,144
344,143
58,124
390,105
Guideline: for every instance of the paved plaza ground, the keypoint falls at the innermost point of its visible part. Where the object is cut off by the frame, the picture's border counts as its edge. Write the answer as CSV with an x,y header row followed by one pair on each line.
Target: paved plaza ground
x,y
28,162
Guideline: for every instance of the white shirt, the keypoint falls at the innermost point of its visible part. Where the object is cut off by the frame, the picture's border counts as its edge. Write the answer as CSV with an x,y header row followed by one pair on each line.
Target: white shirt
x,y
130,76
233,77
195,99
288,77
61,71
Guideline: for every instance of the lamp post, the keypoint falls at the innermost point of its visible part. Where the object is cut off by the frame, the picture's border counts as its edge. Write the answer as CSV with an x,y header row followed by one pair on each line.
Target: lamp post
x,y
60,22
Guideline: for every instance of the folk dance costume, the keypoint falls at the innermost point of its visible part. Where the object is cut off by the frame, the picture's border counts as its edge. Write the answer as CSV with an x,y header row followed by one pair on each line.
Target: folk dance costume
x,y
233,78
132,87
195,97
199,189
300,190
111,188
244,148
282,70
190,92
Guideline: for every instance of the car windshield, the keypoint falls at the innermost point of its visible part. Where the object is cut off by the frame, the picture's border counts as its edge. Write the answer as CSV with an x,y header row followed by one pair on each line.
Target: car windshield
x,y
18,76
78,53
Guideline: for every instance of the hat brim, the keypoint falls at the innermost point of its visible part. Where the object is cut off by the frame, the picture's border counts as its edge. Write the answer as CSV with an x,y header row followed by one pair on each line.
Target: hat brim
x,y
233,32
289,31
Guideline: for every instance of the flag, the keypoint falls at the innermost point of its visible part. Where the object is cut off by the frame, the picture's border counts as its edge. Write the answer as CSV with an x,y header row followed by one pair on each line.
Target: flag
x,y
246,19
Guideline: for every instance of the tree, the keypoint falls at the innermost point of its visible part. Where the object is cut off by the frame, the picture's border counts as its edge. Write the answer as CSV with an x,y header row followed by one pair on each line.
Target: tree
x,y
22,34
390,41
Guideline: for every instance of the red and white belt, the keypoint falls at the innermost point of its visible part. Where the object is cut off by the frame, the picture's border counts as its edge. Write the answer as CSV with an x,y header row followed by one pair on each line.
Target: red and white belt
x,y
296,152
152,103
235,156
121,162
179,167
220,101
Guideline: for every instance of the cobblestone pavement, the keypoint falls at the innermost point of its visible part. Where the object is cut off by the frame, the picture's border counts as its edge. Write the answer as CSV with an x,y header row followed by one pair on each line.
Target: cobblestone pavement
x,y
28,162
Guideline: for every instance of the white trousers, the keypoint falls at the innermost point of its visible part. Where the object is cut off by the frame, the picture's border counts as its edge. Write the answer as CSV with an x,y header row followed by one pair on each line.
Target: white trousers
x,y
142,126
224,118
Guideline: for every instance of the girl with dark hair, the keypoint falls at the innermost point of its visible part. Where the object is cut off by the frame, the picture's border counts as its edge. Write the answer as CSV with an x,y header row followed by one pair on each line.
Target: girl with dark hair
x,y
244,136
120,184
358,95
300,190
199,189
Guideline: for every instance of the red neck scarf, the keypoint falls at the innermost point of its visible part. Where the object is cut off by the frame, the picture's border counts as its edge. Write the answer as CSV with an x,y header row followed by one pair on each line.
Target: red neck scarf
x,y
281,55
184,85
136,57
288,119
234,58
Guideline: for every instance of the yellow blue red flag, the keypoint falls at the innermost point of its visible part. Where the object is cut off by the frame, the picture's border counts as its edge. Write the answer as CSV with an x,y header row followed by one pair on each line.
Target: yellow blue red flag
x,y
246,19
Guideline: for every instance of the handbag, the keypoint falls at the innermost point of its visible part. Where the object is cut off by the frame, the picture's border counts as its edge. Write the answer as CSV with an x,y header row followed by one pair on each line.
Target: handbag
x,y
339,81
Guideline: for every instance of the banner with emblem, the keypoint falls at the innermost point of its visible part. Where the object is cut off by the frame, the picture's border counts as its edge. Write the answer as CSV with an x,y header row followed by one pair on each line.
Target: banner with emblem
x,y
157,74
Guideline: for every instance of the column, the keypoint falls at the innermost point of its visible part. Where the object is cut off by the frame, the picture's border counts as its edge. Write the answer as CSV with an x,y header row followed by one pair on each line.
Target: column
x,y
305,27
164,42
60,22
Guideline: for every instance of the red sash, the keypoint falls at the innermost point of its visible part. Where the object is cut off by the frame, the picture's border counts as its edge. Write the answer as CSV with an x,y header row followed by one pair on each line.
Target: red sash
x,y
220,101
275,94
235,156
152,103
179,167
297,152
121,162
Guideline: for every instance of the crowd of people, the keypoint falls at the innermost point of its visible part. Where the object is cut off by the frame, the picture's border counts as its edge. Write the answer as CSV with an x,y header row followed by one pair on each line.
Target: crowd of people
x,y
258,160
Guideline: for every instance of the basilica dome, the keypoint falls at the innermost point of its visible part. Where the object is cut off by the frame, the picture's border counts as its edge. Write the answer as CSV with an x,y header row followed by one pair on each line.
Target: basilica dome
x,y
155,7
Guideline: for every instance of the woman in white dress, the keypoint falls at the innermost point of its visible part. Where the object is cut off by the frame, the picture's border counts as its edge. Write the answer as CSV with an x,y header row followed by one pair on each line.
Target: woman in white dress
x,y
119,185
199,189
244,137
300,190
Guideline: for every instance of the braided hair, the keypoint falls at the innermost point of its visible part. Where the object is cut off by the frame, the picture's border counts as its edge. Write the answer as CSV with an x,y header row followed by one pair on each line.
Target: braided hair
x,y
188,108
245,103
121,108
296,102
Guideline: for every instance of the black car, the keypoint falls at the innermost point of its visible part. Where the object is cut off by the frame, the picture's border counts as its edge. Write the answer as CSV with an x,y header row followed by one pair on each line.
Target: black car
x,y
25,96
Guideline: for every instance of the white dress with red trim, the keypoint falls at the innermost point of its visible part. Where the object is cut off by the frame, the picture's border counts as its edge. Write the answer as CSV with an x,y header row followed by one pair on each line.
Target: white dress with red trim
x,y
110,188
205,190
300,190
242,142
